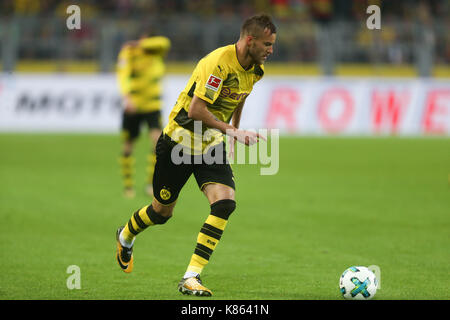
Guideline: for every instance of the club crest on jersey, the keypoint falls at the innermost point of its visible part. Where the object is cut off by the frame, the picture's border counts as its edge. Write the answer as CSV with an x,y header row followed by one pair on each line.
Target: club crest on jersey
x,y
213,83
165,194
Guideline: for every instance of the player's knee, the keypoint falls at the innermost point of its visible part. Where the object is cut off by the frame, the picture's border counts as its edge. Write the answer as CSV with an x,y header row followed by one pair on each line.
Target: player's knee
x,y
223,208
161,209
158,217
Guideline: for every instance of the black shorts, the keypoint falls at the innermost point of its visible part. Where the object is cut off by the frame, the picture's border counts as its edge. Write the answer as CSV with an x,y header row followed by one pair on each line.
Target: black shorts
x,y
169,178
132,123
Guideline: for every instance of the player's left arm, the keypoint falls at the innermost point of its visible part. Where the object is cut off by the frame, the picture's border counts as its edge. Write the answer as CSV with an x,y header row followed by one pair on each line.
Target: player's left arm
x,y
235,121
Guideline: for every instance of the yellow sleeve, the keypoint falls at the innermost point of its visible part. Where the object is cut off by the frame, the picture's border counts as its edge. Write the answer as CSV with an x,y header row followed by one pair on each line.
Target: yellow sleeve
x,y
124,69
210,77
158,44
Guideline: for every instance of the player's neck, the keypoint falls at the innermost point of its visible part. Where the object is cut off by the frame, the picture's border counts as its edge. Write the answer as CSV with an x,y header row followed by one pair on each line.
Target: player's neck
x,y
244,59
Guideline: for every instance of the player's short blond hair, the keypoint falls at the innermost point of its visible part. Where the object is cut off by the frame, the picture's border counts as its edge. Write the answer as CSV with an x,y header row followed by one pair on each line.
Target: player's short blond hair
x,y
256,25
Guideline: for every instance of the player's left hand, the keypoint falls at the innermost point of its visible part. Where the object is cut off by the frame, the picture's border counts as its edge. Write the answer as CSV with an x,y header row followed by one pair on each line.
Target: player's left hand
x,y
231,143
246,137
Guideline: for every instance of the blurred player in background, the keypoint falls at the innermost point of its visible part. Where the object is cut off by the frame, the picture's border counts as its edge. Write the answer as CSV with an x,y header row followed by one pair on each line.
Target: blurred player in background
x,y
139,71
214,96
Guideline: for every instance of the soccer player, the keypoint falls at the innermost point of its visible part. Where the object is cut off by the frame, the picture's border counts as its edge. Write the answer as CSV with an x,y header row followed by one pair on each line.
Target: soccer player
x,y
213,97
139,72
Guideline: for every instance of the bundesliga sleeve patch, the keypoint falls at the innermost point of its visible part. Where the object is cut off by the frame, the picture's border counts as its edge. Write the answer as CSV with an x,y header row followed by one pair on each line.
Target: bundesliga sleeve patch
x,y
213,83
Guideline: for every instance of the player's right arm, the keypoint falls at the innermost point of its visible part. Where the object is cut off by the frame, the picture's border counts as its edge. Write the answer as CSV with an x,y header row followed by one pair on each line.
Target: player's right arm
x,y
124,69
210,75
198,111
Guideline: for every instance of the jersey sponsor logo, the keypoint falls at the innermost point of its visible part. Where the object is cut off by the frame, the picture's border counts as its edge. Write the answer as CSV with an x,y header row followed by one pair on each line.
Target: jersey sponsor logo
x,y
213,83
226,92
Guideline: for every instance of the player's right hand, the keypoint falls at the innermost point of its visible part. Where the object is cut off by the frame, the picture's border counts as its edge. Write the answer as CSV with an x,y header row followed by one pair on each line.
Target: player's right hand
x,y
129,106
247,137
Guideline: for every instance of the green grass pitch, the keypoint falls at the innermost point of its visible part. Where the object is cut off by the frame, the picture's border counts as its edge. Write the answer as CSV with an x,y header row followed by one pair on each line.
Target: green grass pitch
x,y
335,203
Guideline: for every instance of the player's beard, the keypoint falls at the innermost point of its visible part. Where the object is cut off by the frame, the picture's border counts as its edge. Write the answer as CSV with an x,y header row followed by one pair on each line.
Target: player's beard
x,y
256,56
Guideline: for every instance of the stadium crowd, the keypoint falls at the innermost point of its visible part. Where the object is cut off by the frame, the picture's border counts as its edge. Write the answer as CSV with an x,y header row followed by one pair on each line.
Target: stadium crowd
x,y
209,23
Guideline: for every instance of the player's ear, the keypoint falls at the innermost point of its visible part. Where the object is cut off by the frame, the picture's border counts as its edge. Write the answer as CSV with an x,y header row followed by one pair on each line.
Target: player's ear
x,y
249,40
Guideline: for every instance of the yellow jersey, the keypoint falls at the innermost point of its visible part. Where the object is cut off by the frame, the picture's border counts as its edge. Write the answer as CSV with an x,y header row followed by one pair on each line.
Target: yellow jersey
x,y
222,82
140,69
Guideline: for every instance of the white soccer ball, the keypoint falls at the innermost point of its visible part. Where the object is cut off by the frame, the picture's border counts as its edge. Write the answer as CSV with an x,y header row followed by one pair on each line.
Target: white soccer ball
x,y
358,283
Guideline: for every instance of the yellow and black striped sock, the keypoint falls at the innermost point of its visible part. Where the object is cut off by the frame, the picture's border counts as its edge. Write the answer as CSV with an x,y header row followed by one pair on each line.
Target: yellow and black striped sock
x,y
139,221
127,169
210,234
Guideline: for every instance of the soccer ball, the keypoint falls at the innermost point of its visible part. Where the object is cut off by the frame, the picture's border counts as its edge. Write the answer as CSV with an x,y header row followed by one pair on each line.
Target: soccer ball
x,y
358,283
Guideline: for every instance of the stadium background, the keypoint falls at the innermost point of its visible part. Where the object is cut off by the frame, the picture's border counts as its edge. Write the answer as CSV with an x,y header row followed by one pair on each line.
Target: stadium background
x,y
371,189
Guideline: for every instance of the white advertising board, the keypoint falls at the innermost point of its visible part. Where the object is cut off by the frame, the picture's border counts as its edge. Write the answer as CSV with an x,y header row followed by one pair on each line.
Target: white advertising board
x,y
295,105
